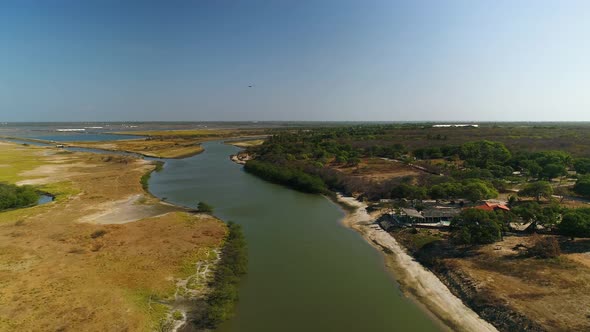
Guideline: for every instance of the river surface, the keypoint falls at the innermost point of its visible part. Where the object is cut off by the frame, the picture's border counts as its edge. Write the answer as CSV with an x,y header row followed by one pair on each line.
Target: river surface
x,y
307,272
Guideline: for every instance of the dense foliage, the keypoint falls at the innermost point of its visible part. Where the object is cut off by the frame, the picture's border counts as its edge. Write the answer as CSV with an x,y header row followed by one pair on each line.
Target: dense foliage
x,y
536,214
12,196
232,266
582,186
582,165
537,190
576,223
473,226
471,189
291,177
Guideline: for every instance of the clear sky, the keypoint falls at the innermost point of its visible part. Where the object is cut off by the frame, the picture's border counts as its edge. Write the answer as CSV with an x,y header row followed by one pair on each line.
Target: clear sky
x,y
308,60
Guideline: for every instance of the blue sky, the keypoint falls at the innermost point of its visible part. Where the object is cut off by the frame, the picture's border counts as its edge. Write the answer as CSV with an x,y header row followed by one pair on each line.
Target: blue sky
x,y
308,60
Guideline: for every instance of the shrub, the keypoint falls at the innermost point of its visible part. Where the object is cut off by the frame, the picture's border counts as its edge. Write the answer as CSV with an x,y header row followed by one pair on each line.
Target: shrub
x,y
233,265
13,196
544,247
473,226
582,186
204,207
98,233
575,223
177,315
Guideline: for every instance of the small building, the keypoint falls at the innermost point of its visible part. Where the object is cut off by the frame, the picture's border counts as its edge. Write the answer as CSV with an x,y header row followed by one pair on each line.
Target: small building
x,y
411,215
489,206
439,214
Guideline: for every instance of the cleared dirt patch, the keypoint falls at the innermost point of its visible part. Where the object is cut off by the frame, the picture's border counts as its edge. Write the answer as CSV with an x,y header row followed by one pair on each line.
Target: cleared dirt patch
x,y
378,169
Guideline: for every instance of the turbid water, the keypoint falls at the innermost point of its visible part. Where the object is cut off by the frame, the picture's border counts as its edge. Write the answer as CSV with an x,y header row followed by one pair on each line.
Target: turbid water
x,y
306,271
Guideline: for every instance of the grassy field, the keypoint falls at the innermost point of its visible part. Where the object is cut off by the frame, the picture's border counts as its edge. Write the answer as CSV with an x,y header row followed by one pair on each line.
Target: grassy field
x,y
17,159
61,270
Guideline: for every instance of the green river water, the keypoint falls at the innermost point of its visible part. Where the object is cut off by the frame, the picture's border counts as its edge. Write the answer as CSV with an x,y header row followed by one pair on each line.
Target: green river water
x,y
306,271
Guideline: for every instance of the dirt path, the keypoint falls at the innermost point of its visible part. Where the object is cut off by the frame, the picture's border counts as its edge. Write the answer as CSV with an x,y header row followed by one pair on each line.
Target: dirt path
x,y
413,277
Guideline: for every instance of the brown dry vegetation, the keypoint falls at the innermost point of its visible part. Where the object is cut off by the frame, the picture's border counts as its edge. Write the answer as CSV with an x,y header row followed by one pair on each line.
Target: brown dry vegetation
x,y
378,169
553,293
59,274
157,147
572,138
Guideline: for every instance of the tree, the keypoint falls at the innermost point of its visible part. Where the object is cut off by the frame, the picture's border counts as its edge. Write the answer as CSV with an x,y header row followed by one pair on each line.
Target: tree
x,y
562,192
408,191
537,190
582,165
484,153
582,186
575,223
532,212
553,170
476,190
204,207
474,226
530,167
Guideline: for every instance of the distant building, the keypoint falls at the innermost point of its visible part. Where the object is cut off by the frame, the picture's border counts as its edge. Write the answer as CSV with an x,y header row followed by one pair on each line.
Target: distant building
x,y
454,125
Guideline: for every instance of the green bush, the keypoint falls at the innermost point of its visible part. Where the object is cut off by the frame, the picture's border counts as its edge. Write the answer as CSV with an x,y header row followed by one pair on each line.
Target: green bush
x,y
12,196
575,223
225,286
204,207
290,177
582,186
473,226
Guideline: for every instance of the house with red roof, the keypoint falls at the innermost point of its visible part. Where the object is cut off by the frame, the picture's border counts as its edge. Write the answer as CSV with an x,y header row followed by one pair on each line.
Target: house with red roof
x,y
488,206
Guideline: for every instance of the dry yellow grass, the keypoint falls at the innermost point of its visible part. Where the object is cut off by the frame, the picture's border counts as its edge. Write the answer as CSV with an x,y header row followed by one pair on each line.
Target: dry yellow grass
x,y
58,274
378,169
158,148
247,143
552,292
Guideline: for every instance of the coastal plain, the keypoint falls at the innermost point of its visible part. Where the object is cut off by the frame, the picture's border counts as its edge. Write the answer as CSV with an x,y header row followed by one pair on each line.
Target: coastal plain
x,y
73,265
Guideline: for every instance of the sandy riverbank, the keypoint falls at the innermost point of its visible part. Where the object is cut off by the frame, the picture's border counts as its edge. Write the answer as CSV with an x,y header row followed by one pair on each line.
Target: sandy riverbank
x,y
414,279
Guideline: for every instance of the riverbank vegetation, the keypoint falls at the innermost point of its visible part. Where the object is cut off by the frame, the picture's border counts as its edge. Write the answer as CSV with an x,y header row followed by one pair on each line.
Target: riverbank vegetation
x,y
291,177
204,207
145,179
225,285
13,196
